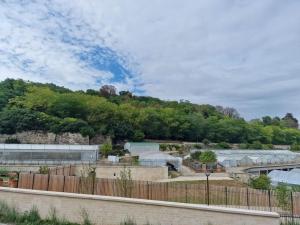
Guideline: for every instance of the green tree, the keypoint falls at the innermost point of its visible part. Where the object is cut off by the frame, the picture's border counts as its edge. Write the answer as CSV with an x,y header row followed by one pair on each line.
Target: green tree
x,y
106,149
208,157
261,182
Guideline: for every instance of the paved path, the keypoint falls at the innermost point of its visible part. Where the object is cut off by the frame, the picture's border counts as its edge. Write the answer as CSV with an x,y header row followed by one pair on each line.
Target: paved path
x,y
199,176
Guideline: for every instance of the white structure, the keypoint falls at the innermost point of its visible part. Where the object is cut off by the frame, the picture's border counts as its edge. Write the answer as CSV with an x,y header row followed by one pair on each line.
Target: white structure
x,y
288,177
113,159
47,154
160,159
233,158
137,148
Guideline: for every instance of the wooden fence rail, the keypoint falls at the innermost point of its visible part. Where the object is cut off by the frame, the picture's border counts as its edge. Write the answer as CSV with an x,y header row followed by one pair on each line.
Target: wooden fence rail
x,y
235,197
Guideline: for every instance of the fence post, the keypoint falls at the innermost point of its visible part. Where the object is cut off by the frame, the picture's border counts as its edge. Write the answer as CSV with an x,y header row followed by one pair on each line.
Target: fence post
x,y
32,181
226,196
186,194
48,182
269,198
248,199
148,191
292,206
64,183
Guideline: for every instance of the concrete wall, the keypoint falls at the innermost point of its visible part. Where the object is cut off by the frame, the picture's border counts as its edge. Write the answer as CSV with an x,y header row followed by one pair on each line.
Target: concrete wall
x,y
104,210
137,172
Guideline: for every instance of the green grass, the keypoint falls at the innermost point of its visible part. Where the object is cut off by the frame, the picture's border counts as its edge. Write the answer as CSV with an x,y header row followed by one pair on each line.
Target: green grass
x,y
12,216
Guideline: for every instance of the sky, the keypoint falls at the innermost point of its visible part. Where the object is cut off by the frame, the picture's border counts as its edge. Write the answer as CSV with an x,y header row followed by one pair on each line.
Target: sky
x,y
238,53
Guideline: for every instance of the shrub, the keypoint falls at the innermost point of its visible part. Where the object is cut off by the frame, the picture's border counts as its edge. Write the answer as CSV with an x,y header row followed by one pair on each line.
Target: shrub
x,y
261,182
223,145
295,147
163,147
268,146
44,170
197,146
12,141
256,145
243,146
283,195
106,149
196,155
205,141
208,157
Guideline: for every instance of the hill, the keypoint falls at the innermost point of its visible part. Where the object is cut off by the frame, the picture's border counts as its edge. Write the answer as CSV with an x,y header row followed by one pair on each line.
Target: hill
x,y
34,106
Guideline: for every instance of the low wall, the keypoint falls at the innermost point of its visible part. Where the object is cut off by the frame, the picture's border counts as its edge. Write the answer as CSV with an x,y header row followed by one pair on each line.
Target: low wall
x,y
137,172
103,210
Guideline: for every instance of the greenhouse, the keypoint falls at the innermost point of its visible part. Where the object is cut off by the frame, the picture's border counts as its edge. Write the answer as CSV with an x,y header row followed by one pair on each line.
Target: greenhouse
x,y
47,154
160,159
291,177
233,158
137,148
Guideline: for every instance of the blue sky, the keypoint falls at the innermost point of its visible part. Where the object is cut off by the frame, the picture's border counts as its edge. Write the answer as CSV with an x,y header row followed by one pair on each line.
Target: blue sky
x,y
238,53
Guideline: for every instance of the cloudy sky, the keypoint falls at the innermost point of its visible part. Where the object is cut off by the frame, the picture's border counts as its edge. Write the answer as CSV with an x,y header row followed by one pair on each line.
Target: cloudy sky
x,y
239,53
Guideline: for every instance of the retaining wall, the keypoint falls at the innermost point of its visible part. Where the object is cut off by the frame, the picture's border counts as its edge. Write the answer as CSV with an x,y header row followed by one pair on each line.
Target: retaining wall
x,y
104,210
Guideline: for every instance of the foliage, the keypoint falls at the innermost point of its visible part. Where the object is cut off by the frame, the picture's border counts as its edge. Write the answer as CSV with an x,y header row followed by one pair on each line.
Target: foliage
x,y
208,157
3,171
223,145
106,149
261,182
197,146
125,182
205,141
283,196
255,145
295,147
44,170
196,155
12,141
28,106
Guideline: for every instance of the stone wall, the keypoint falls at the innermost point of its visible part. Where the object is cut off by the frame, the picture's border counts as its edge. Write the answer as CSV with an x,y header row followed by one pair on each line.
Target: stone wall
x,y
113,210
40,137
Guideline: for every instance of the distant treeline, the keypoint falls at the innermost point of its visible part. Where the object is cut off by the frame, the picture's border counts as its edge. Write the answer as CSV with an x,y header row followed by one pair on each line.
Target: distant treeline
x,y
34,106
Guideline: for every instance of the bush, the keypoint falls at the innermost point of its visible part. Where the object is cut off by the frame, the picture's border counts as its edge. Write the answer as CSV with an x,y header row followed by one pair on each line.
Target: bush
x,y
243,146
295,147
163,147
197,146
208,157
12,141
205,141
256,145
261,182
196,155
106,149
268,146
223,145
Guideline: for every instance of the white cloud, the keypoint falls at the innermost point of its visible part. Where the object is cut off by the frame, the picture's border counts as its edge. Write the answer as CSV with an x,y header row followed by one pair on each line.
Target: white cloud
x,y
240,53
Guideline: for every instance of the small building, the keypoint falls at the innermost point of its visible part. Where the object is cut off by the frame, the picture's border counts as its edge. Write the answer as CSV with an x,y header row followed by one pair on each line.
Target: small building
x,y
137,148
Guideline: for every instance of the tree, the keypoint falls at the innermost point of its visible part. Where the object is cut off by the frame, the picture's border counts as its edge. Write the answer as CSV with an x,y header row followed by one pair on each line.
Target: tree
x,y
261,182
106,149
290,121
208,157
108,90
267,120
228,111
